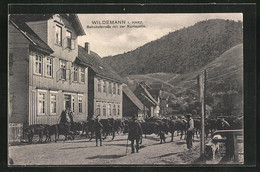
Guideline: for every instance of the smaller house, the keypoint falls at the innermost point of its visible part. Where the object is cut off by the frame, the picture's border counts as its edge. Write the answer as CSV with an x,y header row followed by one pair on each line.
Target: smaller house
x,y
132,105
147,99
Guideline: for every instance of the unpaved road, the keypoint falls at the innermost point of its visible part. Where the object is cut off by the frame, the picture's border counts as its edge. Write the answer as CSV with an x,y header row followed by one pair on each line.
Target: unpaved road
x,y
84,152
81,151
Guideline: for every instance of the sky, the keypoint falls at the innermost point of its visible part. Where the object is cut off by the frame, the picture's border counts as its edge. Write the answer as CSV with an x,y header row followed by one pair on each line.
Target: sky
x,y
112,41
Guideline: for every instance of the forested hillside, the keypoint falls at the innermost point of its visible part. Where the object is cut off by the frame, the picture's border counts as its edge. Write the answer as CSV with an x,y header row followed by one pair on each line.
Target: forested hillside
x,y
182,51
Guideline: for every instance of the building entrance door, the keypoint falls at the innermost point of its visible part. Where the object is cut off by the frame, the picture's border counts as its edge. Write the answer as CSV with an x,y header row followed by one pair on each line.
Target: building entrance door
x,y
67,100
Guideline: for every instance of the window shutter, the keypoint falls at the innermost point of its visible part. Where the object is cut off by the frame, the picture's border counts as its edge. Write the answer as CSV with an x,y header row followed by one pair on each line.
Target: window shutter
x,y
79,74
67,74
44,66
71,76
72,44
69,43
66,42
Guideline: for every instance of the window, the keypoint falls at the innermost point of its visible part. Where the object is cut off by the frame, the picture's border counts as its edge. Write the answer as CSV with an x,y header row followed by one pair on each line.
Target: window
x,y
114,88
109,109
69,39
99,85
41,103
82,75
73,103
118,110
63,69
104,109
48,64
98,109
75,76
38,64
110,88
68,34
114,110
53,101
58,36
80,104
104,87
118,89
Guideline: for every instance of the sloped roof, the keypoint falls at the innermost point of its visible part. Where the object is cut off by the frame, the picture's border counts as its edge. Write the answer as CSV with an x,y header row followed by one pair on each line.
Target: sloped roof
x,y
155,92
94,61
33,38
144,84
156,86
30,17
133,97
75,23
73,18
144,95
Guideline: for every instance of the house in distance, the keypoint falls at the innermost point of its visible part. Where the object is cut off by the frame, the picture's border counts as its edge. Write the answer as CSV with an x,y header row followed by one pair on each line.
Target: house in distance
x,y
132,105
147,99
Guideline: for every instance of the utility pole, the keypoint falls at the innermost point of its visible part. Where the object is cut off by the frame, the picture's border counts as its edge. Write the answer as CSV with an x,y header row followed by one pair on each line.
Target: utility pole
x,y
202,95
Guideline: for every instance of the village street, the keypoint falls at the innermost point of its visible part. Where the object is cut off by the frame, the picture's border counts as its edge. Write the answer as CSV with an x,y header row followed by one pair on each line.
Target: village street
x,y
84,152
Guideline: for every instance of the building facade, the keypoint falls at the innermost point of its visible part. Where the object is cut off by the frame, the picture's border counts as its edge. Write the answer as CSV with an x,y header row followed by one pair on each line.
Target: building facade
x,y
104,86
44,77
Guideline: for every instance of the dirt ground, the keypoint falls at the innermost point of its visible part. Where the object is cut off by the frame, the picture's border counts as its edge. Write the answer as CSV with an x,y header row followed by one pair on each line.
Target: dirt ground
x,y
81,151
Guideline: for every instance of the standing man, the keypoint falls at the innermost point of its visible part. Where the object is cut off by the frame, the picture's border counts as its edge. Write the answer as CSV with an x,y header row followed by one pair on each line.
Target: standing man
x,y
190,127
98,130
135,133
67,118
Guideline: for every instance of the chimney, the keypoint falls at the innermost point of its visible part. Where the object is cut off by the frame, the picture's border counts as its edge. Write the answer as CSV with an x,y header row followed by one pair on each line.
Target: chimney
x,y
87,47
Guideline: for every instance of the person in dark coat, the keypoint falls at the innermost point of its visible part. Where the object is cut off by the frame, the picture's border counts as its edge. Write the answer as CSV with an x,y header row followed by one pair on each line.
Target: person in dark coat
x,y
67,118
135,133
98,127
190,128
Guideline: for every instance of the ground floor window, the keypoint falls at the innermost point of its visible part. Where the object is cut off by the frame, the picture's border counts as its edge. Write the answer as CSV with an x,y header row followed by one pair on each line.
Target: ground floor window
x,y
109,109
80,101
118,110
73,103
41,102
104,109
98,109
114,110
53,99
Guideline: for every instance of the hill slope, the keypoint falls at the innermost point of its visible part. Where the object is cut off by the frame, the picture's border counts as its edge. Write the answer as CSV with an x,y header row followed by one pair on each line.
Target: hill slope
x,y
226,69
224,82
181,51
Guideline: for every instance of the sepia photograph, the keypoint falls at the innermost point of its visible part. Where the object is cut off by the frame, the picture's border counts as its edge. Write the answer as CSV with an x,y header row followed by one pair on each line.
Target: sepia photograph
x,y
125,89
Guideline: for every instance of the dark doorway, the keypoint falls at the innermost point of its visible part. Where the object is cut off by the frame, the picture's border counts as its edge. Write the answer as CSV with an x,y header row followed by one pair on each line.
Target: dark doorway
x,y
67,101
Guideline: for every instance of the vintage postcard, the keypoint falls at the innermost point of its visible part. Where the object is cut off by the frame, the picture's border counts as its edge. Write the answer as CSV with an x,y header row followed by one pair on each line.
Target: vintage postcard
x,y
125,89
